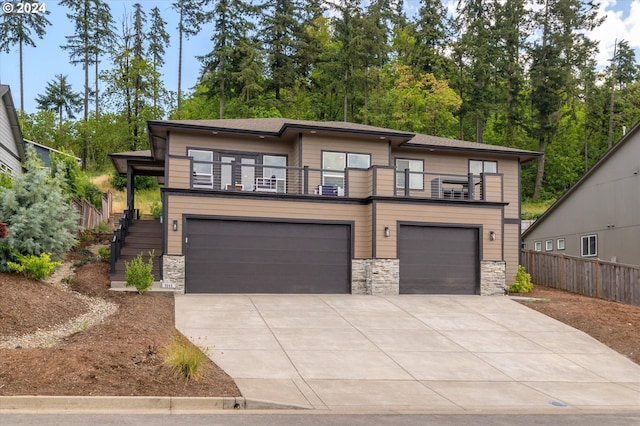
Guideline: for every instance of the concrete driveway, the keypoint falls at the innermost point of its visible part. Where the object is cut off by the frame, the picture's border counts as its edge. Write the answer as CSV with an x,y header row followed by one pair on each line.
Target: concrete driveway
x,y
426,353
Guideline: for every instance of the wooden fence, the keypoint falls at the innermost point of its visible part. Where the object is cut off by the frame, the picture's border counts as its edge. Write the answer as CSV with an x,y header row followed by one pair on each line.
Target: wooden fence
x,y
591,277
90,217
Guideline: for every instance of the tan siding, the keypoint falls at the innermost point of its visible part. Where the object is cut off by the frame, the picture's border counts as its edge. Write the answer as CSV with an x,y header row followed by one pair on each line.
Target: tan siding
x,y
509,170
360,182
493,188
511,251
388,214
179,169
179,143
437,163
385,182
313,145
249,207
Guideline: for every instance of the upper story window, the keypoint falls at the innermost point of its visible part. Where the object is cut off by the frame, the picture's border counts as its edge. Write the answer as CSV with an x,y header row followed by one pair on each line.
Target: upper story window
x,y
482,166
416,180
202,168
589,245
537,246
548,245
560,243
334,163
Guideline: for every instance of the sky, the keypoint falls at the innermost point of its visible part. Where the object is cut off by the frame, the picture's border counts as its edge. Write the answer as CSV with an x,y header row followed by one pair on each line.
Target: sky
x,y
47,59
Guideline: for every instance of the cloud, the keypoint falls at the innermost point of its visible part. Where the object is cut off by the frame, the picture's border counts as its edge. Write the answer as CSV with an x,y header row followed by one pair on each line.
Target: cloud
x,y
622,22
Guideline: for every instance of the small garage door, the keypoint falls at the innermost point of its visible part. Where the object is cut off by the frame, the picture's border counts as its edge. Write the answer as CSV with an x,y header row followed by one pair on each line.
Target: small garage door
x,y
438,260
229,256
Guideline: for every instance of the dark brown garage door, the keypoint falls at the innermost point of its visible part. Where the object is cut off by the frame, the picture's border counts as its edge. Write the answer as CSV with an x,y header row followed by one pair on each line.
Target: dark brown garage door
x,y
229,256
438,260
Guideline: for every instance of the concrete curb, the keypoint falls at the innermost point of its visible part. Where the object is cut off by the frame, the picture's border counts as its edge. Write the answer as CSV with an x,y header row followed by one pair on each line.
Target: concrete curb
x,y
168,404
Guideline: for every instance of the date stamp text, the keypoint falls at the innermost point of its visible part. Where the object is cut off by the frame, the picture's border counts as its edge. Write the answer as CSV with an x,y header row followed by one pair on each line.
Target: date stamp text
x,y
23,7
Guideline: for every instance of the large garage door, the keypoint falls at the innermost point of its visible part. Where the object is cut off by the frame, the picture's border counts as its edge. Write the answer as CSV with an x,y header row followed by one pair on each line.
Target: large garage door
x,y
228,256
438,260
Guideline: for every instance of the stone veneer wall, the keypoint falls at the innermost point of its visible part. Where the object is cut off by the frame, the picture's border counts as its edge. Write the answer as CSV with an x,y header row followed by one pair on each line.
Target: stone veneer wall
x,y
375,276
173,272
493,277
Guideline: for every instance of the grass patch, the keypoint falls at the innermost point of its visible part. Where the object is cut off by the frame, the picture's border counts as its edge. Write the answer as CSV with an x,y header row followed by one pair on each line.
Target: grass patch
x,y
532,210
144,199
184,358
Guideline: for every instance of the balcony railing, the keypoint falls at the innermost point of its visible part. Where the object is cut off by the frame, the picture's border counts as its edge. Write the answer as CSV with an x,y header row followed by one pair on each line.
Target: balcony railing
x,y
355,183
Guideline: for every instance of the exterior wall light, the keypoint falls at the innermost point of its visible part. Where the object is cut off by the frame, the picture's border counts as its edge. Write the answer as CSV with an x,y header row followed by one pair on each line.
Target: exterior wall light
x,y
387,231
492,236
175,225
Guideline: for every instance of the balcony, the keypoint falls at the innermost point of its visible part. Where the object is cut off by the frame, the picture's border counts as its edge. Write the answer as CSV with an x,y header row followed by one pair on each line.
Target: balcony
x,y
352,183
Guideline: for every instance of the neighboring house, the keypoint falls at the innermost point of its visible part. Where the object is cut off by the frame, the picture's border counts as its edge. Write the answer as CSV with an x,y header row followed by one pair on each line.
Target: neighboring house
x,y
44,152
599,215
12,153
287,206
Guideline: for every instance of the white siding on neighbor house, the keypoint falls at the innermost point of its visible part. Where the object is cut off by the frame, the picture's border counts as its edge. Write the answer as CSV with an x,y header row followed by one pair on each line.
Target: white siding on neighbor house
x,y
8,148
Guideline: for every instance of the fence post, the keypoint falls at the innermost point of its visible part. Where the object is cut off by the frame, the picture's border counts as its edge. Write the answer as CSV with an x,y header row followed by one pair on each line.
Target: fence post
x,y
598,278
562,278
531,265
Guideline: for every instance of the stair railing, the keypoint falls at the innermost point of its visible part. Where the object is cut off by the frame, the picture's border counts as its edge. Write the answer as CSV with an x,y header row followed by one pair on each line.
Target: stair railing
x,y
120,235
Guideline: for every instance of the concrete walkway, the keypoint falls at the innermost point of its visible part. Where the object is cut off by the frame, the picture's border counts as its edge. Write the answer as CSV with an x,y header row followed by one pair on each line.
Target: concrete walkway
x,y
426,353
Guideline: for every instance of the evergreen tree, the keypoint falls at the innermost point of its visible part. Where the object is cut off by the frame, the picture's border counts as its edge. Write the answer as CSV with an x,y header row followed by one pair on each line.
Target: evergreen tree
x,y
17,28
39,216
60,97
158,41
431,33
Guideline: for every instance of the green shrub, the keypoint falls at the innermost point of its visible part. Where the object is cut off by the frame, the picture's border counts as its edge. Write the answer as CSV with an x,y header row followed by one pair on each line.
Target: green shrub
x,y
119,182
523,282
138,273
104,253
5,181
37,267
102,228
156,210
184,358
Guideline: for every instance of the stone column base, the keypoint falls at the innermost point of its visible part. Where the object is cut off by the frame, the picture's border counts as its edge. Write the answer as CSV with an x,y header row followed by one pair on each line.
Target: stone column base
x,y
493,277
375,276
173,272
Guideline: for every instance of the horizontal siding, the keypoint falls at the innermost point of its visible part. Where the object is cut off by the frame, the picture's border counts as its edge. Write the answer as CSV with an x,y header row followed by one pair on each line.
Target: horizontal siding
x,y
388,214
511,251
360,183
511,188
386,181
179,169
313,145
437,163
493,188
8,148
179,143
232,206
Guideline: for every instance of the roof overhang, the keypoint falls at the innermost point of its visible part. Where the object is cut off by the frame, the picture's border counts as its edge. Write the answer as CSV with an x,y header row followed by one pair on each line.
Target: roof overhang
x,y
142,163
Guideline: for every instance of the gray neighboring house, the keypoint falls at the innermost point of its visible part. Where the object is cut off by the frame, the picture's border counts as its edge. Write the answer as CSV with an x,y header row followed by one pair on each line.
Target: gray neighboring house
x,y
599,216
44,152
11,144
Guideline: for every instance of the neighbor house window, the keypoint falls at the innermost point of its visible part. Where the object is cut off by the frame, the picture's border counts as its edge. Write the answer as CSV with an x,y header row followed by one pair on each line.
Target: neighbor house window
x,y
537,246
202,168
560,244
589,245
416,180
334,163
548,245
482,166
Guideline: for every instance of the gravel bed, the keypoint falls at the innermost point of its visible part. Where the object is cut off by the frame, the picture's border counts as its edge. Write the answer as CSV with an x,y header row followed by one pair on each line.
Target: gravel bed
x,y
98,310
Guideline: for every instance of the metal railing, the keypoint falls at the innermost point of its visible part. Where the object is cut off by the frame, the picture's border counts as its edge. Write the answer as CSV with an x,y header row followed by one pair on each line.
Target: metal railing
x,y
259,178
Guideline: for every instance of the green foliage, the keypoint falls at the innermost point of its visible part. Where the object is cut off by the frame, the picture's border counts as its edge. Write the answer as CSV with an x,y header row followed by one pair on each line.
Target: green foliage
x,y
77,183
138,273
104,253
102,228
184,358
141,183
36,267
523,282
39,216
5,181
156,210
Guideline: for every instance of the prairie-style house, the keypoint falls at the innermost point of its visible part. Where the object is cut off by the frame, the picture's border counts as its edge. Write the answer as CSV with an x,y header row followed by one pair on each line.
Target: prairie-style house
x,y
288,206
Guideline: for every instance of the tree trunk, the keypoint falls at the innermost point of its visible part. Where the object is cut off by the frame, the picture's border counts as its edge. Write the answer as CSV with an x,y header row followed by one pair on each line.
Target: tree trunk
x,y
180,64
222,84
97,78
538,187
345,103
21,80
479,128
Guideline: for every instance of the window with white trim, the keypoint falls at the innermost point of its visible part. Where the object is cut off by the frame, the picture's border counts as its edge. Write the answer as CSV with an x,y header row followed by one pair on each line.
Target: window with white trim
x,y
560,243
334,163
589,245
537,246
548,245
482,166
202,168
416,169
